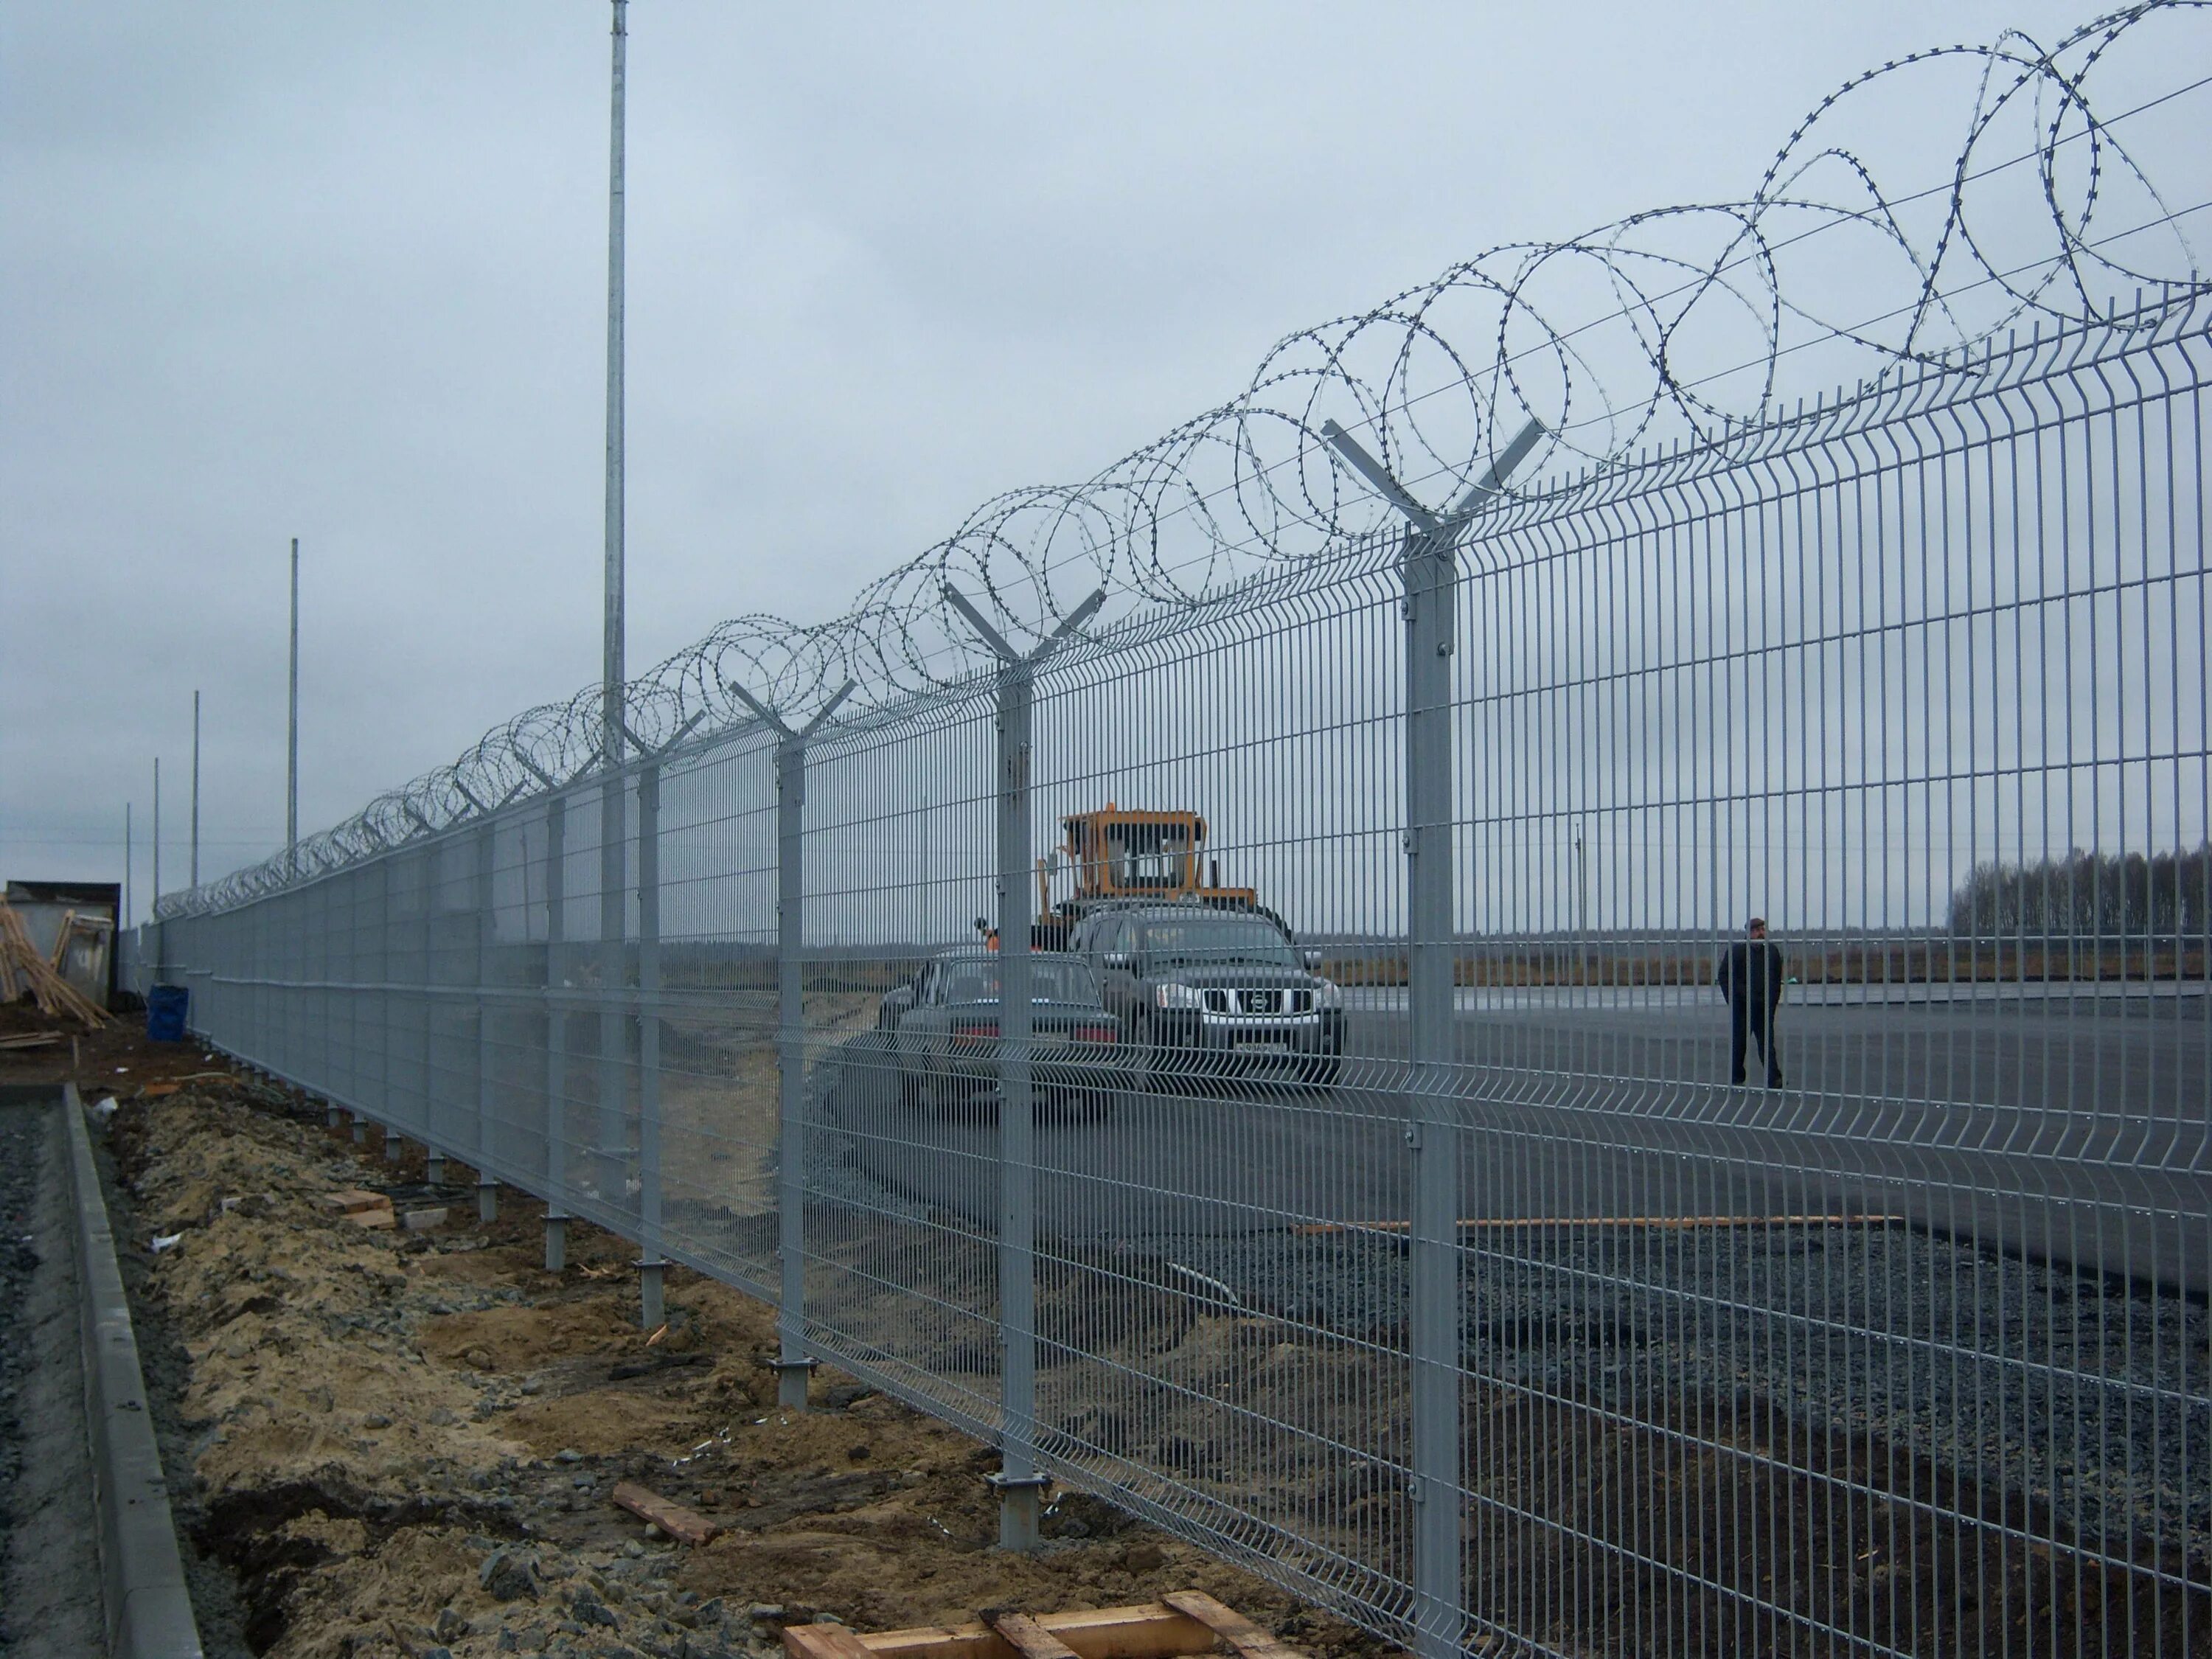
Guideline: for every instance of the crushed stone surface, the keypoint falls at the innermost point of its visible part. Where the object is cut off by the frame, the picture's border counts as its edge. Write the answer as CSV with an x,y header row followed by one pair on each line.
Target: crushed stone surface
x,y
49,1601
405,1442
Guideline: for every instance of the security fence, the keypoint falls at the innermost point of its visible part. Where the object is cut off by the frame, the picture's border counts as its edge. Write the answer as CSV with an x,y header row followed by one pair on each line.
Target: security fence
x,y
1262,1058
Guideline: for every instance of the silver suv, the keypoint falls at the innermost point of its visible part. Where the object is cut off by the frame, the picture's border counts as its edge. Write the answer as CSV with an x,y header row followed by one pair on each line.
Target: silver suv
x,y
1208,993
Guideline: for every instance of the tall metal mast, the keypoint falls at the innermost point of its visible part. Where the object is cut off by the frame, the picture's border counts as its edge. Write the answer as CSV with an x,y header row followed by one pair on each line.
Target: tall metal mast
x,y
612,654
292,722
614,863
196,789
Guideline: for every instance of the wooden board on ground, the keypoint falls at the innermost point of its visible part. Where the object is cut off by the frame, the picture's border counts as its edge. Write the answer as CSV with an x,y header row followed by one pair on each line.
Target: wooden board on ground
x,y
1230,1625
685,1525
352,1201
1657,1223
825,1642
361,1206
1029,1638
1151,1630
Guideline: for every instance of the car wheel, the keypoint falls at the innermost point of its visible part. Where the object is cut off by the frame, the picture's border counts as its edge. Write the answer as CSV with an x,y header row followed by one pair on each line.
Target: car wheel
x,y
1323,1072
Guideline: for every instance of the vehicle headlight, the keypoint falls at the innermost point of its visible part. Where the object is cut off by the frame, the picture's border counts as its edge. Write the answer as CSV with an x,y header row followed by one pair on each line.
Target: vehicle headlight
x,y
1177,996
1327,996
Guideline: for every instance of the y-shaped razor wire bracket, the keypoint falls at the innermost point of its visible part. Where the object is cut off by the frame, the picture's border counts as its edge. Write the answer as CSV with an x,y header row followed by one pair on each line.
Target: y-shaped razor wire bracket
x,y
1428,569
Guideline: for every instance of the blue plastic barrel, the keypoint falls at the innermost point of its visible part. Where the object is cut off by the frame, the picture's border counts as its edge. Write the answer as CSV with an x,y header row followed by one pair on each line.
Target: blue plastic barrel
x,y
166,1007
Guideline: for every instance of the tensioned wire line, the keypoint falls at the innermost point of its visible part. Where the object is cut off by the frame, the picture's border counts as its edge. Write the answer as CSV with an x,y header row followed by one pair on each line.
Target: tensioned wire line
x,y
1837,219
951,650
875,638
2174,218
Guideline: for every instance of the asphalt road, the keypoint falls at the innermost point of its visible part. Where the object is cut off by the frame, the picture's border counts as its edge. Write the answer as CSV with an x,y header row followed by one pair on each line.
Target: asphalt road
x,y
2076,1130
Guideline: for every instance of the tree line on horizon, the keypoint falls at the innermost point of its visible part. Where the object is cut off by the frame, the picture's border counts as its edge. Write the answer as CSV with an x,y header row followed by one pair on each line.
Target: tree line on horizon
x,y
2086,896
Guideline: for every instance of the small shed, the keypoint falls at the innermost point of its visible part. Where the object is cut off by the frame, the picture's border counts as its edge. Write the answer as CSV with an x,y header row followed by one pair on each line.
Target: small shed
x,y
72,923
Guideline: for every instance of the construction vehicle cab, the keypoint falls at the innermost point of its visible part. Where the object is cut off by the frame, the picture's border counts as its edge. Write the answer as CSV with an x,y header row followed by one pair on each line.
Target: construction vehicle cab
x,y
1120,855
1114,854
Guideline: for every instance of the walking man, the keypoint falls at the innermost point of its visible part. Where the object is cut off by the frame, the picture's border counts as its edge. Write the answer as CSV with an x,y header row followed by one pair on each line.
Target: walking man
x,y
1749,975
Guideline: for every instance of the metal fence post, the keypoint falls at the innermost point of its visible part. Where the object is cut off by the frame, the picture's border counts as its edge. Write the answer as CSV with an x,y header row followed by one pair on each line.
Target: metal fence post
x,y
397,953
323,1003
650,1265
1018,1480
1431,1132
557,1034
433,1133
1429,572
793,1364
610,1138
377,1094
487,1146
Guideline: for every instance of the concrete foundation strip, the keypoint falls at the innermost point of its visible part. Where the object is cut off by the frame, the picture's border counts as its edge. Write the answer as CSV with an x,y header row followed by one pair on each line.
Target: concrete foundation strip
x,y
148,1610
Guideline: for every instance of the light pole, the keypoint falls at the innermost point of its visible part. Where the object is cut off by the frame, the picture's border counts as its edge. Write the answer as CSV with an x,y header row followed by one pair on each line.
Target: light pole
x,y
196,789
611,1135
610,686
291,727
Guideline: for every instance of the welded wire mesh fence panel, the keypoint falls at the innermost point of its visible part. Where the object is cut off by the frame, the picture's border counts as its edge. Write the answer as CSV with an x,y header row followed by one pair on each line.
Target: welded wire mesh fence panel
x,y
717,1061
899,860
1567,1268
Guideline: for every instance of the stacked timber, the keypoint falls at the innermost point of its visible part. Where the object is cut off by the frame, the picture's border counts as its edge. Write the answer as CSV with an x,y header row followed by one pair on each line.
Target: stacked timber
x,y
23,965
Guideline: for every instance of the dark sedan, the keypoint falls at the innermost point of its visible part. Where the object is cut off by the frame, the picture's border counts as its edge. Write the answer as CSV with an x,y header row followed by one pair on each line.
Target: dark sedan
x,y
943,1030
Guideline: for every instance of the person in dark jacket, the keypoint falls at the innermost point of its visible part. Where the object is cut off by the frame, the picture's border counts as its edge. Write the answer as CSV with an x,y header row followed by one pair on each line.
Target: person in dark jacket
x,y
1749,975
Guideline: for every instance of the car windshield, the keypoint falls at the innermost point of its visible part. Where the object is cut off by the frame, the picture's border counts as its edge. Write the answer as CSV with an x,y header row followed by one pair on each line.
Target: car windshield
x,y
1214,939
1052,979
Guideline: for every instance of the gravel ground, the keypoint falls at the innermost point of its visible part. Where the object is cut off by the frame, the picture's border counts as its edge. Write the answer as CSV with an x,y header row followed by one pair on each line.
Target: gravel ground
x,y
2089,1400
1900,1419
2080,1404
2085,1399
49,1578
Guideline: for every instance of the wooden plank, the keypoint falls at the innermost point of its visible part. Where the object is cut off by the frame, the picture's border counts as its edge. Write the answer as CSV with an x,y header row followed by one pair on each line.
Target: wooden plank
x,y
61,939
685,1525
352,1201
823,1642
1514,1223
1029,1638
1230,1625
55,995
1147,1631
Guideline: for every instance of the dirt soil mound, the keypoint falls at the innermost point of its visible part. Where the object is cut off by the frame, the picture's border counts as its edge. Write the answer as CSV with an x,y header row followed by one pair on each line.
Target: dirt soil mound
x,y
405,1443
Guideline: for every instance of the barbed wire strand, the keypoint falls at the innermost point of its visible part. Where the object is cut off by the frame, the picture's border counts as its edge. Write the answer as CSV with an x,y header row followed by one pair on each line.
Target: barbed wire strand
x,y
1250,484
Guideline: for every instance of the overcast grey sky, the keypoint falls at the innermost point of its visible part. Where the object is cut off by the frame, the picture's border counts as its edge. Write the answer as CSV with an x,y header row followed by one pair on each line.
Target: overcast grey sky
x,y
338,272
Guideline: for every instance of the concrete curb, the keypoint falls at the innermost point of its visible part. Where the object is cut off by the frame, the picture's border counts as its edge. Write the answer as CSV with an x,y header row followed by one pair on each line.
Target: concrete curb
x,y
150,1612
